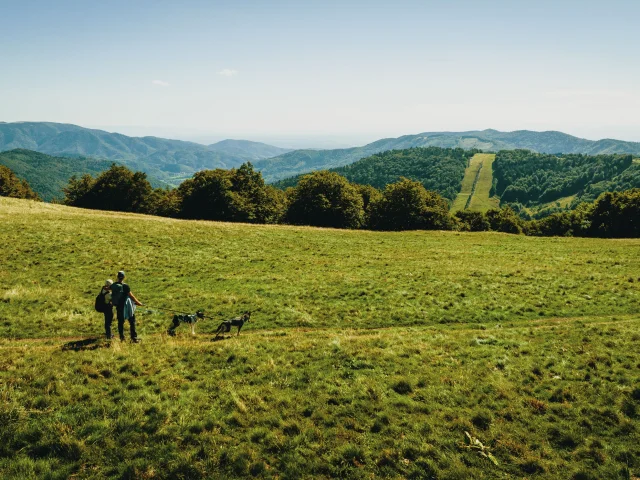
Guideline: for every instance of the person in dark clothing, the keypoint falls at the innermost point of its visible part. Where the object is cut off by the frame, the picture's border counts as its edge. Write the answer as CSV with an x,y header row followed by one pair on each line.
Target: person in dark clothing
x,y
123,300
107,308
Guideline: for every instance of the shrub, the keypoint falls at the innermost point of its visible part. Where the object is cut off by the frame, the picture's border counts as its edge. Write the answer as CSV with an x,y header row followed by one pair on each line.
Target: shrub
x,y
504,220
472,221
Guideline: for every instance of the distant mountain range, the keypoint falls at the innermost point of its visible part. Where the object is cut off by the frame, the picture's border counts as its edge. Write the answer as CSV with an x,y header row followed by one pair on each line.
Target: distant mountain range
x,y
167,160
171,161
300,161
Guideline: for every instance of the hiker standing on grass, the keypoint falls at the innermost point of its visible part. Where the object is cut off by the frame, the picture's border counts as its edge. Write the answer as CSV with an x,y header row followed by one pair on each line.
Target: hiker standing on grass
x,y
125,303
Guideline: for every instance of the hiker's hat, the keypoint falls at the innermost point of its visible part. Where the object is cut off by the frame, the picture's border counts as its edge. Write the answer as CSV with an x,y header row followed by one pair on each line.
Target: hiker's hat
x,y
108,283
121,274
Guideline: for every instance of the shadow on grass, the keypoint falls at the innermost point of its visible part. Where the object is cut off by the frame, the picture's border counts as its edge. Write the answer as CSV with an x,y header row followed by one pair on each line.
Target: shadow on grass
x,y
218,339
86,344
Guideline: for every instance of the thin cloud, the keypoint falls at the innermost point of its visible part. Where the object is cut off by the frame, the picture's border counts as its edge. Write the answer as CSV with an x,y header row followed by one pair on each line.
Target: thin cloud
x,y
228,72
587,93
161,83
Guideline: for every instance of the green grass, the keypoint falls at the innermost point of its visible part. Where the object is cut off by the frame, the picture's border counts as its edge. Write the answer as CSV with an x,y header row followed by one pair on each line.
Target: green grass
x,y
368,355
468,182
481,201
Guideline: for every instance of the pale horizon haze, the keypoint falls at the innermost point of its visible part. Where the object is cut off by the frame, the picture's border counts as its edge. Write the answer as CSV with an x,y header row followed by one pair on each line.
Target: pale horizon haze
x,y
326,73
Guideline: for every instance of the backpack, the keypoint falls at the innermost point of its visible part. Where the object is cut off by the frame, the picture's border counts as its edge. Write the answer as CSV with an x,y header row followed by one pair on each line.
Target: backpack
x,y
117,294
100,304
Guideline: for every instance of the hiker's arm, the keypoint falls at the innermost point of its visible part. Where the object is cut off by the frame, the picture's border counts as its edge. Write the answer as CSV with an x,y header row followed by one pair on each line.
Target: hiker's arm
x,y
135,300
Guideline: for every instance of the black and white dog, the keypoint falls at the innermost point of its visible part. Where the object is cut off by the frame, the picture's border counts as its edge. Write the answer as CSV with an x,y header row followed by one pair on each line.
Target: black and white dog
x,y
190,319
225,327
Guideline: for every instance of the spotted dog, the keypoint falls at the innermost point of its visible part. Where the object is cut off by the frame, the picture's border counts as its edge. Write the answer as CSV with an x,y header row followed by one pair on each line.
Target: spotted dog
x,y
190,319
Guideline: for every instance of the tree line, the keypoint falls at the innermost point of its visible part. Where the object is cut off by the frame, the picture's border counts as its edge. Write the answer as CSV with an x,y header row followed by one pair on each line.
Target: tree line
x,y
327,199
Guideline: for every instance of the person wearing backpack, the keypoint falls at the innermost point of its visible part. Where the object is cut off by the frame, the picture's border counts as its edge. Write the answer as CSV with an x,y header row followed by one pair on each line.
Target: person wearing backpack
x,y
124,301
104,306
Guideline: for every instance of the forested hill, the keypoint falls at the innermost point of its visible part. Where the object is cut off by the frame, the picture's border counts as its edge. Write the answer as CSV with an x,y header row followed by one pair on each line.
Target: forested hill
x,y
301,161
533,179
168,160
438,169
48,175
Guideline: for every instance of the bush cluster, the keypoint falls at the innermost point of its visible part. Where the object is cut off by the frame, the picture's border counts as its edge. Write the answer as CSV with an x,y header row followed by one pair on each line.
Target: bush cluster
x,y
327,199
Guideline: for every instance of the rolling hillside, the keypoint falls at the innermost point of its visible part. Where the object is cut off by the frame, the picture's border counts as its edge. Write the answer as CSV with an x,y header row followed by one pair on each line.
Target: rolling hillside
x,y
48,175
368,354
301,161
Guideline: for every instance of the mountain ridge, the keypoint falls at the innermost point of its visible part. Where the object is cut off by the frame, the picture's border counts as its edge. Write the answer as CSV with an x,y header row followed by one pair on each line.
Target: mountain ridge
x,y
302,161
166,159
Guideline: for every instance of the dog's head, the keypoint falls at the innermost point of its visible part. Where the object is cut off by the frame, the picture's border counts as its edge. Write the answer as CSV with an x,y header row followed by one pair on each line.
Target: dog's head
x,y
246,316
200,314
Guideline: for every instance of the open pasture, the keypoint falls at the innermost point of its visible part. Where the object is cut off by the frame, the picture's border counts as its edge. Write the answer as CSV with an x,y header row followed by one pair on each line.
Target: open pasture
x,y
368,354
481,201
56,258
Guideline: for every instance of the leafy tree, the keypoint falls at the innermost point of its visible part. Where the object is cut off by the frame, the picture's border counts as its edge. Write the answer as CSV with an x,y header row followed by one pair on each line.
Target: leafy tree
x,y
208,196
616,214
118,189
370,195
165,202
407,205
12,186
255,201
236,195
325,199
77,192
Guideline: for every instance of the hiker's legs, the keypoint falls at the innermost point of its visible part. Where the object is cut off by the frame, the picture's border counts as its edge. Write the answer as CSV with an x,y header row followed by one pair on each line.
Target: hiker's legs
x,y
120,314
132,327
108,319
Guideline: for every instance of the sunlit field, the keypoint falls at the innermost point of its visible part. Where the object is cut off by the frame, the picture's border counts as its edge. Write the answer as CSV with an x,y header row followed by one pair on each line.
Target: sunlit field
x,y
418,354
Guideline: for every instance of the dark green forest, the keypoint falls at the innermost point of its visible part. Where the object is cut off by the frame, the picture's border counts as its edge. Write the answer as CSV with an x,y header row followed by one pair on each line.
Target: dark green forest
x,y
438,169
531,179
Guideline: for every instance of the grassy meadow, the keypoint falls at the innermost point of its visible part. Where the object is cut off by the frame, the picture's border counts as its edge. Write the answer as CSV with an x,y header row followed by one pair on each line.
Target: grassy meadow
x,y
400,355
468,183
481,201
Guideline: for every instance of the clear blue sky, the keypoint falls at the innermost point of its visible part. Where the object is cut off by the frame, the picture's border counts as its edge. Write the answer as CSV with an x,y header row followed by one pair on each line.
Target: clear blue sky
x,y
350,68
